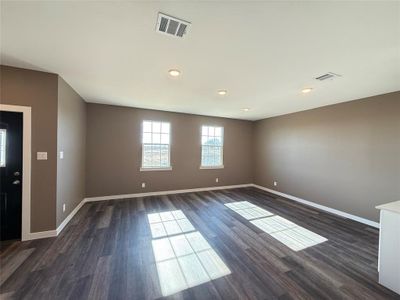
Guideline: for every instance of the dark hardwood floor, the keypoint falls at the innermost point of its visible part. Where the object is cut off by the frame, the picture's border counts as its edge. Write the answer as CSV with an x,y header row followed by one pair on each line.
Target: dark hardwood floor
x,y
106,252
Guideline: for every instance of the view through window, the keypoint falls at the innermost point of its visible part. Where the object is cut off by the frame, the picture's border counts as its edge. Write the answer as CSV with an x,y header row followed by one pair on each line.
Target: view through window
x,y
212,146
156,145
3,137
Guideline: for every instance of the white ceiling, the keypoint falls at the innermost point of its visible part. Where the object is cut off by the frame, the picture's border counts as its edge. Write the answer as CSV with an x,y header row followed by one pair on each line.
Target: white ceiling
x,y
263,53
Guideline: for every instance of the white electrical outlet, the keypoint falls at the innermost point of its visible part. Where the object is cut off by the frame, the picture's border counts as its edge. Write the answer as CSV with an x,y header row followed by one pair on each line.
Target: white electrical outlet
x,y
143,185
64,207
217,179
275,183
61,154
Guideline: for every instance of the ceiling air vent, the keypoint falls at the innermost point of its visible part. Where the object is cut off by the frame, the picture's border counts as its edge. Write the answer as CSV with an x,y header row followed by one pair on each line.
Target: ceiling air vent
x,y
171,26
329,75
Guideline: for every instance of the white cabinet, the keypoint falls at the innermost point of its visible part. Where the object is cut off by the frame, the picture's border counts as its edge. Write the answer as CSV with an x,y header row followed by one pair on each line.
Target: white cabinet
x,y
389,246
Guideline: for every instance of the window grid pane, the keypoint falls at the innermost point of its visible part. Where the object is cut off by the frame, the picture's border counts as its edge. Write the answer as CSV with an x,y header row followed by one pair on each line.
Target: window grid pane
x,y
211,146
156,144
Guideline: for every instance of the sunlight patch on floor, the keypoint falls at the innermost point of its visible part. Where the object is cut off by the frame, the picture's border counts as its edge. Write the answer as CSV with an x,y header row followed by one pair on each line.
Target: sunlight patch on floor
x,y
292,235
183,260
248,210
169,223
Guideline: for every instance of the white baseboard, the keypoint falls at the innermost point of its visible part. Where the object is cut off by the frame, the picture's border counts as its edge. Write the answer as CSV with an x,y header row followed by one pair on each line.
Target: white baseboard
x,y
40,235
69,217
127,196
321,207
54,233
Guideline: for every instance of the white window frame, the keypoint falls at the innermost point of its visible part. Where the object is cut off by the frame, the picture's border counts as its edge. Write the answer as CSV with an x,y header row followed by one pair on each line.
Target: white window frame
x,y
168,168
222,148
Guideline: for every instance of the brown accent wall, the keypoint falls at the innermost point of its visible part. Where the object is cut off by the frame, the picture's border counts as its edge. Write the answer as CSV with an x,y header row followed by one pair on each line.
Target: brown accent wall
x,y
38,90
114,152
71,140
344,156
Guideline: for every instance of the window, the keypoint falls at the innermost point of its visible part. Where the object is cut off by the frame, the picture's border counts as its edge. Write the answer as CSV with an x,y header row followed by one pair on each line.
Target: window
x,y
3,134
212,147
156,149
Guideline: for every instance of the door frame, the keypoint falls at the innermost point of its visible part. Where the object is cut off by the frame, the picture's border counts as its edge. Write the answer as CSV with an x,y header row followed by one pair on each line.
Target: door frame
x,y
26,165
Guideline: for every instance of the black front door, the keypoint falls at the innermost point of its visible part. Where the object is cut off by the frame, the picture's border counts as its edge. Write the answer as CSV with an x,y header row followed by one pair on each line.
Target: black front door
x,y
10,175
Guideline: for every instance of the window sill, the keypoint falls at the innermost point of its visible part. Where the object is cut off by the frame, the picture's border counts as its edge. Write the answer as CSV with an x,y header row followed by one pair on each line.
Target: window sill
x,y
156,169
211,167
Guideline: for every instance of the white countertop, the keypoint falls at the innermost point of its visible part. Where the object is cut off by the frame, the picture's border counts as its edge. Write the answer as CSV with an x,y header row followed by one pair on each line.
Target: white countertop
x,y
392,206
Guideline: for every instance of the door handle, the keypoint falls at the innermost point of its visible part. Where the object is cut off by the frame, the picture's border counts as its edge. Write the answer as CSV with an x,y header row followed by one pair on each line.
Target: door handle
x,y
16,173
16,182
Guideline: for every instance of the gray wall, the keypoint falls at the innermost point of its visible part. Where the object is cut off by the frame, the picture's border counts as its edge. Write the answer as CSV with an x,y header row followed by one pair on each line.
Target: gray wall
x,y
114,152
38,90
58,123
71,139
345,156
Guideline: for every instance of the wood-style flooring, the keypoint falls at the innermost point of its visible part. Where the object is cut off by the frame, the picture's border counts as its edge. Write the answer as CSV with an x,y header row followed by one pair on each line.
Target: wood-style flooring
x,y
106,252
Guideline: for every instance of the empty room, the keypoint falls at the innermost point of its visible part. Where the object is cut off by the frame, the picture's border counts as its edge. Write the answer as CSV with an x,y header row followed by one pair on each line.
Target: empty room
x,y
200,150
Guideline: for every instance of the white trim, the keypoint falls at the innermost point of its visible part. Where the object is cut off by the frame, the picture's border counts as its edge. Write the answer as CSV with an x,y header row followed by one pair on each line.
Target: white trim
x,y
169,145
380,240
321,207
156,169
127,196
211,167
69,217
222,147
92,199
42,235
26,233
54,233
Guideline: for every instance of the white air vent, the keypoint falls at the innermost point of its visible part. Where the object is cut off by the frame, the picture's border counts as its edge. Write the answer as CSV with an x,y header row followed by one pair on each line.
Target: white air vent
x,y
171,26
329,75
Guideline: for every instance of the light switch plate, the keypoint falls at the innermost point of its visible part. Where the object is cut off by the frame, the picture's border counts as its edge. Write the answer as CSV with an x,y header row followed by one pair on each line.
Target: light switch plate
x,y
61,154
41,155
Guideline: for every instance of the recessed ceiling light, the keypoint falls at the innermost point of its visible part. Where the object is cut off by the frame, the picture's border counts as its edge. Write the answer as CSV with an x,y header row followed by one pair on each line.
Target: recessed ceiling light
x,y
174,72
306,90
222,92
245,109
